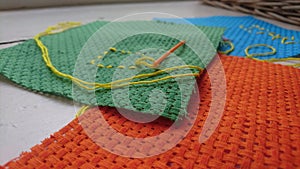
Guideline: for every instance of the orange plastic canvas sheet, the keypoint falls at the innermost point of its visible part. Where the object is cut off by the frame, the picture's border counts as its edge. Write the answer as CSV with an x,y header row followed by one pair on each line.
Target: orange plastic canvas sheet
x,y
259,128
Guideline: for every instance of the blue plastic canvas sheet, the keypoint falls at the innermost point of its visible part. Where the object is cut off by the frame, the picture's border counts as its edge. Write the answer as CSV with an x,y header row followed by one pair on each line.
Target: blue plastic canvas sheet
x,y
247,30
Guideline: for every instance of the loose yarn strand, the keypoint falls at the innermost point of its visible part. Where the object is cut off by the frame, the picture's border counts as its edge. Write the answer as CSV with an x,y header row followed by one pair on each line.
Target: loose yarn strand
x,y
114,84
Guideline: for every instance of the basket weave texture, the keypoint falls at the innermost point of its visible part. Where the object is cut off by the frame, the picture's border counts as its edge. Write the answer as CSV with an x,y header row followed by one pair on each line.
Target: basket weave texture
x,y
260,128
245,31
285,11
24,65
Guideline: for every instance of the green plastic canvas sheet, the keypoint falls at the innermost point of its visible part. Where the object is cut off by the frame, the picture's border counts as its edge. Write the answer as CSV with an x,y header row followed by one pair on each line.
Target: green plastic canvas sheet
x,y
84,52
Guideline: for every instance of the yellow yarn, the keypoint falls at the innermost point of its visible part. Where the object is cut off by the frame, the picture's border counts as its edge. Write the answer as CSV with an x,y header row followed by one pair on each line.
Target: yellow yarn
x,y
277,36
274,36
289,43
259,54
121,67
228,50
252,56
297,65
286,59
141,61
114,84
283,40
113,49
100,65
283,59
81,110
132,67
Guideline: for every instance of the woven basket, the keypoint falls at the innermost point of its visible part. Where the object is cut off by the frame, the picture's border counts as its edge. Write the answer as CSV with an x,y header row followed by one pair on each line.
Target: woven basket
x,y
282,10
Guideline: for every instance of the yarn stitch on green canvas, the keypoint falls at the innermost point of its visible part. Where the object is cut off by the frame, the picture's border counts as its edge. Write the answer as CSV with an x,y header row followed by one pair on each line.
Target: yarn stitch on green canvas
x,y
23,64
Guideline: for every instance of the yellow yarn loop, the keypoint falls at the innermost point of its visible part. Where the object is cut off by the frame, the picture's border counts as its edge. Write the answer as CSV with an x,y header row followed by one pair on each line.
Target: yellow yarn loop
x,y
252,56
142,61
114,84
259,54
228,50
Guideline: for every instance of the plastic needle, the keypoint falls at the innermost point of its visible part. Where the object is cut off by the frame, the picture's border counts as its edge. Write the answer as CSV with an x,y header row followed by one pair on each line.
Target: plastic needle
x,y
164,56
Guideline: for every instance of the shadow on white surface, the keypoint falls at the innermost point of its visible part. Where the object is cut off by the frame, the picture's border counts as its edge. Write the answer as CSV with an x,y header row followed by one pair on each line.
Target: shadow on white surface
x,y
26,118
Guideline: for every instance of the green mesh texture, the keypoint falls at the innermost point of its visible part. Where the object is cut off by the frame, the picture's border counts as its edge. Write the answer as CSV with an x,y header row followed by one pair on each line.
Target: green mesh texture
x,y
23,64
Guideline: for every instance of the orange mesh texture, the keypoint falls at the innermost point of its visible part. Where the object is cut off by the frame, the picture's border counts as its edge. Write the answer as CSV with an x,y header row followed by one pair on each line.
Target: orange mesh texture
x,y
260,128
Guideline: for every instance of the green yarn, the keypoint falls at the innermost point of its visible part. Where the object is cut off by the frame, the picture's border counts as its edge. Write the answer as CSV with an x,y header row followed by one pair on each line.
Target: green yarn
x,y
23,64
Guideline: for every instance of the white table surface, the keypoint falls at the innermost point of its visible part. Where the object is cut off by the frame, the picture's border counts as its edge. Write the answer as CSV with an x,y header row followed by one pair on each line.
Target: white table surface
x,y
26,118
